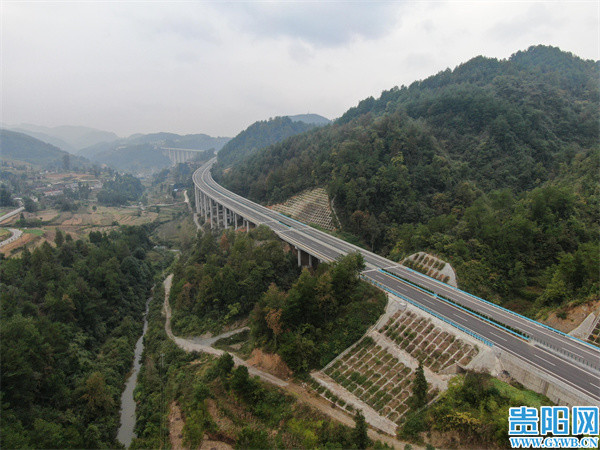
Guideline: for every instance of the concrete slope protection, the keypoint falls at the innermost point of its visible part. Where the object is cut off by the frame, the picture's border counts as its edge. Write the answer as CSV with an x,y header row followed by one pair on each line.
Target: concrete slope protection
x,y
570,361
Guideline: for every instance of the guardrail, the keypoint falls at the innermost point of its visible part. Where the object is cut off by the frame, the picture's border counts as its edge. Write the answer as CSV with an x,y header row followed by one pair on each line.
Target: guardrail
x,y
456,305
428,311
583,362
534,322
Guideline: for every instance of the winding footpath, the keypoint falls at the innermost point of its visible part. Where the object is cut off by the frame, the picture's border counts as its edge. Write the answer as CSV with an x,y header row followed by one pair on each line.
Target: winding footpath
x,y
298,391
190,346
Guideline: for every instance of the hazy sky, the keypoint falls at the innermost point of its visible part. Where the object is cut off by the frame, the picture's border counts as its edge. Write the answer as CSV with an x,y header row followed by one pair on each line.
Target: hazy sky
x,y
216,67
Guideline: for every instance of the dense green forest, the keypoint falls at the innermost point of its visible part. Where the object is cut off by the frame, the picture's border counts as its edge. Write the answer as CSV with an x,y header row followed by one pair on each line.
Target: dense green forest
x,y
70,319
260,135
492,165
224,276
307,318
123,189
321,315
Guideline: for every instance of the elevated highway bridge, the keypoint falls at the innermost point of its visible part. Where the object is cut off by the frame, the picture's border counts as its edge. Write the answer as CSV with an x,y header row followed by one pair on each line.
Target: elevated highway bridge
x,y
564,368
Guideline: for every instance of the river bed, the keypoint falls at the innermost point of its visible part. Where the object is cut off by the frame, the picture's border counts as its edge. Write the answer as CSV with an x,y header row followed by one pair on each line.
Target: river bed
x,y
126,433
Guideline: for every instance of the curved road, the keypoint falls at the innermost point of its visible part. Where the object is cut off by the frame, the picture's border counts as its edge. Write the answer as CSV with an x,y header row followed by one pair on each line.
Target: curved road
x,y
571,361
16,234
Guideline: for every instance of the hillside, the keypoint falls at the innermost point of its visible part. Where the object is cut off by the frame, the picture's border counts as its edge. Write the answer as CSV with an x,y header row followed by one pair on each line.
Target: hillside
x,y
492,165
21,147
68,138
313,119
141,153
262,134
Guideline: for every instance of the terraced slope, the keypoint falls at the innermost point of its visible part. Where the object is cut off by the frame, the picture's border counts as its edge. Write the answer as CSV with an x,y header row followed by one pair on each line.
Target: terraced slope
x,y
311,207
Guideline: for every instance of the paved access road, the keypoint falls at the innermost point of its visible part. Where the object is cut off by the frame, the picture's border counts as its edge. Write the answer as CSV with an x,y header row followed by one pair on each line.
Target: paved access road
x,y
571,362
16,234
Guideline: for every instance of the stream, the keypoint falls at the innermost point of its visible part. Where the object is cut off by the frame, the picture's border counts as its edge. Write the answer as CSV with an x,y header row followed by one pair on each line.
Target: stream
x,y
126,433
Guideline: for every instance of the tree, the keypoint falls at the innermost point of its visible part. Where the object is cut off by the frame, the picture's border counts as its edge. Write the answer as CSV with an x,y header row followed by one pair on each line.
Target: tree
x,y
6,198
225,364
241,382
97,395
273,319
59,239
250,438
29,204
359,434
66,161
419,389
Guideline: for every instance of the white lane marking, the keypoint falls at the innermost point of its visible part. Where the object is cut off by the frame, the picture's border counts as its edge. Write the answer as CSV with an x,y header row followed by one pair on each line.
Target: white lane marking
x,y
544,359
498,336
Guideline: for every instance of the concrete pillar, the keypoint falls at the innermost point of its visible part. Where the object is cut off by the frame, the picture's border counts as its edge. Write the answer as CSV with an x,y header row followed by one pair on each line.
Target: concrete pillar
x,y
212,220
247,227
299,257
226,217
205,202
310,260
197,199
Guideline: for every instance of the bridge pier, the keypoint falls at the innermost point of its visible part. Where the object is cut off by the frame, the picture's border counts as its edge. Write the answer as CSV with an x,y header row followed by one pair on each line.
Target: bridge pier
x,y
197,199
305,259
205,200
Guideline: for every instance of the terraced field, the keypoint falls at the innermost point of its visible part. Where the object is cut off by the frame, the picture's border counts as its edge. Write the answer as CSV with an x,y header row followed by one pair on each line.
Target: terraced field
x,y
594,337
378,371
311,207
419,337
376,377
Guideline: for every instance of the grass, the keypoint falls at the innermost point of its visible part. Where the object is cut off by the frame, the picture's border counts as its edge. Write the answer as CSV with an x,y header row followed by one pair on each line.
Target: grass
x,y
239,344
521,396
34,231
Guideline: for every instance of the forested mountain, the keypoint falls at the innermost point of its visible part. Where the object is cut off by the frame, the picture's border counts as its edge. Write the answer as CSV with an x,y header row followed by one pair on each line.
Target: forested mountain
x,y
313,119
21,147
260,135
492,165
141,153
70,319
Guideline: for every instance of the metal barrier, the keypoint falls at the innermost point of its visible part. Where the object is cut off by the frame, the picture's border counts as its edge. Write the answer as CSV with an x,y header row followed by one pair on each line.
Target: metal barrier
x,y
428,311
450,302
535,322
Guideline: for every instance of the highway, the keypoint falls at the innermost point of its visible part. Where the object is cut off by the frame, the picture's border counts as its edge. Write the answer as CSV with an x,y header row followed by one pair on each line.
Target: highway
x,y
567,359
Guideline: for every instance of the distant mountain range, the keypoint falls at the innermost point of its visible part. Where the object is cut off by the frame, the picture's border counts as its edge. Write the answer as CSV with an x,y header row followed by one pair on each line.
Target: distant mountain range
x,y
67,138
138,153
19,147
142,153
